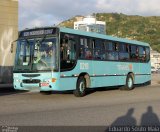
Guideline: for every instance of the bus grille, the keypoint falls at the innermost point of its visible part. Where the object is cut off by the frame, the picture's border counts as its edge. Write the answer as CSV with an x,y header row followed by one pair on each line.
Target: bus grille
x,y
31,81
30,75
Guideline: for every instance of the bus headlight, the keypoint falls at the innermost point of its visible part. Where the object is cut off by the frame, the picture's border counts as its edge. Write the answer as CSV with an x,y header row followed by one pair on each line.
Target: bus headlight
x,y
17,80
16,76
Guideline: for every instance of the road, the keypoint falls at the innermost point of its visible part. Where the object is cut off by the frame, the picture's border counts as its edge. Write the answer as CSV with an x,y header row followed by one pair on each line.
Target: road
x,y
101,107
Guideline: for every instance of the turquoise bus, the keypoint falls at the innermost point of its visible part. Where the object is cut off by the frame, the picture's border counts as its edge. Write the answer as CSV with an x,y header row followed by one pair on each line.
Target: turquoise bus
x,y
60,59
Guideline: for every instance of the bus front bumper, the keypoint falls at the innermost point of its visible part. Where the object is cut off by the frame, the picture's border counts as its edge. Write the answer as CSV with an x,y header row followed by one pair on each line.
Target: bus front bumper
x,y
43,82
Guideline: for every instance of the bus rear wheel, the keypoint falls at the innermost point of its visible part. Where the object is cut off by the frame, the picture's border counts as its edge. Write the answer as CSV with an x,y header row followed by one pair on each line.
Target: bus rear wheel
x,y
129,83
81,87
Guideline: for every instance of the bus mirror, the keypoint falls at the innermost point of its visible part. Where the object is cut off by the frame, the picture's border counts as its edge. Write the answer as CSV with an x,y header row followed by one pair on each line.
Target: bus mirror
x,y
12,46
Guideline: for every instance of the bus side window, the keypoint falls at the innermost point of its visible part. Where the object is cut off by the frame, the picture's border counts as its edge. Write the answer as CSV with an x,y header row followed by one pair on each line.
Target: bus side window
x,y
71,49
142,53
63,48
112,55
68,48
81,53
108,48
137,53
88,49
115,46
98,47
133,53
123,52
115,51
111,51
147,49
103,52
88,54
68,55
82,48
97,54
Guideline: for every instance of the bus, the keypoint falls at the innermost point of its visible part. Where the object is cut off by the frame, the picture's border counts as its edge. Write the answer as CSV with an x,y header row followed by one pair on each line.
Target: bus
x,y
62,59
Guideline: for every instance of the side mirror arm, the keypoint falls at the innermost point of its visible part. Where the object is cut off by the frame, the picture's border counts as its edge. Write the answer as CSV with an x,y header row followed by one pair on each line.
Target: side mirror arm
x,y
11,49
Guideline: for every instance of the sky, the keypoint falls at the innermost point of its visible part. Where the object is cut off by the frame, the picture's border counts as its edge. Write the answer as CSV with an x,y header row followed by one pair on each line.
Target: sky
x,y
36,13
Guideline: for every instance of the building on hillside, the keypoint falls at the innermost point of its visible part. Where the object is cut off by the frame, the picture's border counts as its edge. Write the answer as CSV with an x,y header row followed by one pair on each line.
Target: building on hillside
x,y
8,33
90,24
79,18
155,59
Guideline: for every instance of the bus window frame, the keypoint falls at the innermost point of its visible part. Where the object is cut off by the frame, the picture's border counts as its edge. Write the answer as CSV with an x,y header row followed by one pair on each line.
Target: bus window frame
x,y
76,51
106,50
124,51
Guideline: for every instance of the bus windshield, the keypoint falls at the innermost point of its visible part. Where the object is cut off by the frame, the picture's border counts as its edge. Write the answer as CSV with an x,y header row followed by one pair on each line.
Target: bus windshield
x,y
36,54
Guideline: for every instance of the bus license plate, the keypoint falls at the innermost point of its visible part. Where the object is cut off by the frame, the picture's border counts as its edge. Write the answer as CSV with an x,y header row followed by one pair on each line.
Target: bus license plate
x,y
44,84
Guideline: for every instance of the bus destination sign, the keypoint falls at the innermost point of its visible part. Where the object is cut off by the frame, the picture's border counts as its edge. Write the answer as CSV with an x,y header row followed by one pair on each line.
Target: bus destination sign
x,y
38,32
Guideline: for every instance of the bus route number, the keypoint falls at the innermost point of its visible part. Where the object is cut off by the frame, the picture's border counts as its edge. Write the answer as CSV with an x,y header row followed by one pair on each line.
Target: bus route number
x,y
84,66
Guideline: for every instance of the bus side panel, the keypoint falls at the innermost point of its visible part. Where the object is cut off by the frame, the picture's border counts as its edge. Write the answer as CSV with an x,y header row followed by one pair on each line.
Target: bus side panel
x,y
112,73
104,74
67,83
115,73
105,81
68,79
144,74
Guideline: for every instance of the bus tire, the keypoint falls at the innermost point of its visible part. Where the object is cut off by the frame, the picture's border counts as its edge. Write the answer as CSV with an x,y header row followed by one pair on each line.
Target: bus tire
x,y
81,87
129,83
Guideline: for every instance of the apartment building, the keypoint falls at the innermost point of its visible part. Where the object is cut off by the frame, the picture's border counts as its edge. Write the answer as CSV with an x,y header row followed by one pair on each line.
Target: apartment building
x,y
90,24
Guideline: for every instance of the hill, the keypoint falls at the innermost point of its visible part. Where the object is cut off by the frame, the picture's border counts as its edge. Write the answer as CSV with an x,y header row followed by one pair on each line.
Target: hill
x,y
146,29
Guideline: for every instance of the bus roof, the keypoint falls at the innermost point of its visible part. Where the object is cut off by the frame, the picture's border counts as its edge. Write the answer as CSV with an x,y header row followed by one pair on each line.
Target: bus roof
x,y
102,36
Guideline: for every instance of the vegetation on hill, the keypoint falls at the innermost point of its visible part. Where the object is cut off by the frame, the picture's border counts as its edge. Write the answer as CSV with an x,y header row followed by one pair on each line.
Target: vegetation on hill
x,y
146,29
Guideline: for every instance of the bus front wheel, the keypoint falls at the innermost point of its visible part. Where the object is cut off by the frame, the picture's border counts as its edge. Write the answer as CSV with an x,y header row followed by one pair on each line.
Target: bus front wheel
x,y
81,87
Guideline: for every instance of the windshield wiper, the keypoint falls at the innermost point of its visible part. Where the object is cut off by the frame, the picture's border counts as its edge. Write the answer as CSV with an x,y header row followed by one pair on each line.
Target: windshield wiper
x,y
40,42
43,38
